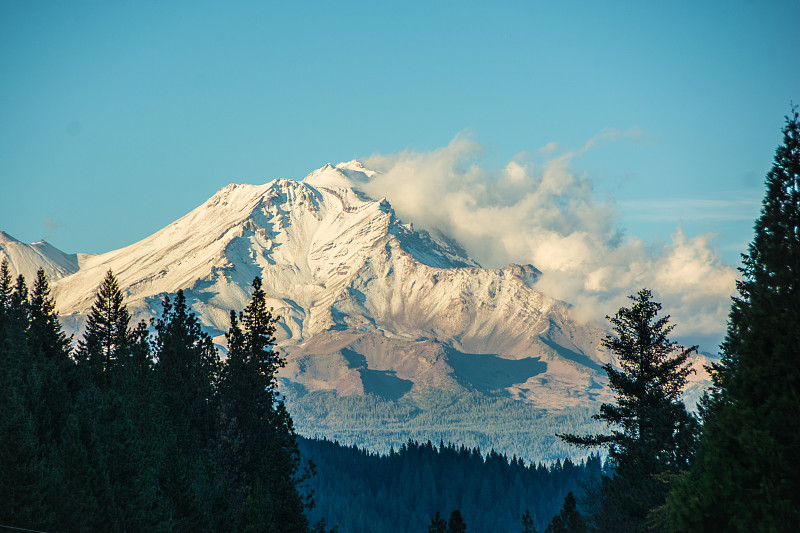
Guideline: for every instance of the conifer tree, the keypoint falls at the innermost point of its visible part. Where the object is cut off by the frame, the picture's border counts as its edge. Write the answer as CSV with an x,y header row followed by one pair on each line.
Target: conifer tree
x,y
106,341
186,384
187,370
46,335
6,288
438,524
252,409
527,522
23,471
652,432
18,313
745,477
456,523
50,351
568,520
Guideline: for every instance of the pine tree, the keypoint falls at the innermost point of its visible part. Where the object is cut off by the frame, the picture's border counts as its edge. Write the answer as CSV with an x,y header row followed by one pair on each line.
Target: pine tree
x,y
745,477
24,490
254,413
106,341
652,432
6,288
568,520
50,351
438,524
456,523
186,385
527,522
187,370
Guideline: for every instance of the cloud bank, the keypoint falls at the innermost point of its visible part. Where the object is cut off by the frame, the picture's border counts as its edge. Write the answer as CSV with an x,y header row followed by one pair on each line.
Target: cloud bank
x,y
546,215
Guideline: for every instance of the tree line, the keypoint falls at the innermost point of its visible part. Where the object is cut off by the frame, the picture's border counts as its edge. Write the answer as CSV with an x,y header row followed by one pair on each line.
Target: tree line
x,y
146,428
403,490
143,428
733,467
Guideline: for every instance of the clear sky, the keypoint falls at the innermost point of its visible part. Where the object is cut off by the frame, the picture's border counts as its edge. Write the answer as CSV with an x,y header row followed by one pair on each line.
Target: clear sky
x,y
119,117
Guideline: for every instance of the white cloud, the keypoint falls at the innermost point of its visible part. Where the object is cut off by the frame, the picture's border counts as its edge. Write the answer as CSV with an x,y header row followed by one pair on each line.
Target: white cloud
x,y
546,215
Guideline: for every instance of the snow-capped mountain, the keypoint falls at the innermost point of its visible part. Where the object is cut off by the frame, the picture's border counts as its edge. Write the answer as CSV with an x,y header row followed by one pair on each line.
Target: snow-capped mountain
x,y
368,305
346,277
26,259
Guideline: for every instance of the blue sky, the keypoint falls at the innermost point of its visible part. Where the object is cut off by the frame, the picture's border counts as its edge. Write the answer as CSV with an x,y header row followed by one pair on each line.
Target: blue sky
x,y
119,118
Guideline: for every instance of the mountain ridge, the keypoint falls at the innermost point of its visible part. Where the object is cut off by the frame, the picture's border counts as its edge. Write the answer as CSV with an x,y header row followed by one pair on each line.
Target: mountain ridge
x,y
368,304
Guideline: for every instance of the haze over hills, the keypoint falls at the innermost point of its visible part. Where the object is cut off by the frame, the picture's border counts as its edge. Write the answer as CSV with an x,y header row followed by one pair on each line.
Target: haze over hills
x,y
389,331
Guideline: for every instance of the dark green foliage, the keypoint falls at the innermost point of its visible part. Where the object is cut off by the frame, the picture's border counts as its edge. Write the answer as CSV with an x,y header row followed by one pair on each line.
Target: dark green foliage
x,y
456,523
130,434
187,371
438,524
745,477
34,367
262,460
402,491
652,433
527,522
106,341
569,520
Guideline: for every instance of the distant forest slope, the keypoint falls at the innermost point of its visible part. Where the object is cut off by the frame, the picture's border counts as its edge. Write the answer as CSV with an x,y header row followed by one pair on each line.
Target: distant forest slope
x,y
364,492
470,419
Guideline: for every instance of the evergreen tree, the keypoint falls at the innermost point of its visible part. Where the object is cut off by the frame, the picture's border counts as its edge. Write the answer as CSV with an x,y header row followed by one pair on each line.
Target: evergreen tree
x,y
745,477
186,384
18,311
568,520
187,371
652,432
106,341
456,523
255,416
23,471
46,337
527,522
438,524
50,349
6,288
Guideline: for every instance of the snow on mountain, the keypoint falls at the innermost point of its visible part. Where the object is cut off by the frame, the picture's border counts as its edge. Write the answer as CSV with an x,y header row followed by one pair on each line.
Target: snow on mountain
x,y
367,304
26,259
369,307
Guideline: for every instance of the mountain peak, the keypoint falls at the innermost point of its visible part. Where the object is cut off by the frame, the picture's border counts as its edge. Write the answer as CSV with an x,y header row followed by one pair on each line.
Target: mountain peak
x,y
6,238
347,175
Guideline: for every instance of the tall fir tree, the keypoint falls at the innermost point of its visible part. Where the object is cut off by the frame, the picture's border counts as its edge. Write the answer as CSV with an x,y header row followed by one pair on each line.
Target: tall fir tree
x,y
527,522
568,520
46,336
50,349
106,340
187,370
186,375
745,477
24,487
255,414
437,524
652,433
6,288
456,522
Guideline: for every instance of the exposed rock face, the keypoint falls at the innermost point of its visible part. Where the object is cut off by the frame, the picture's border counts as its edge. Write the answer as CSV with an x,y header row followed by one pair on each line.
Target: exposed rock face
x,y
368,305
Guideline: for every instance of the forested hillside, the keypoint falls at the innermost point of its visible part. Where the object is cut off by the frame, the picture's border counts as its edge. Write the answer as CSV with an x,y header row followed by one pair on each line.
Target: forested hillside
x,y
148,428
402,491
471,419
136,430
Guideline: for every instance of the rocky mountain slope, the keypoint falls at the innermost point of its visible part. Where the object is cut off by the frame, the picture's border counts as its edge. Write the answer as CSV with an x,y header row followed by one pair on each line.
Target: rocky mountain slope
x,y
368,305
26,259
